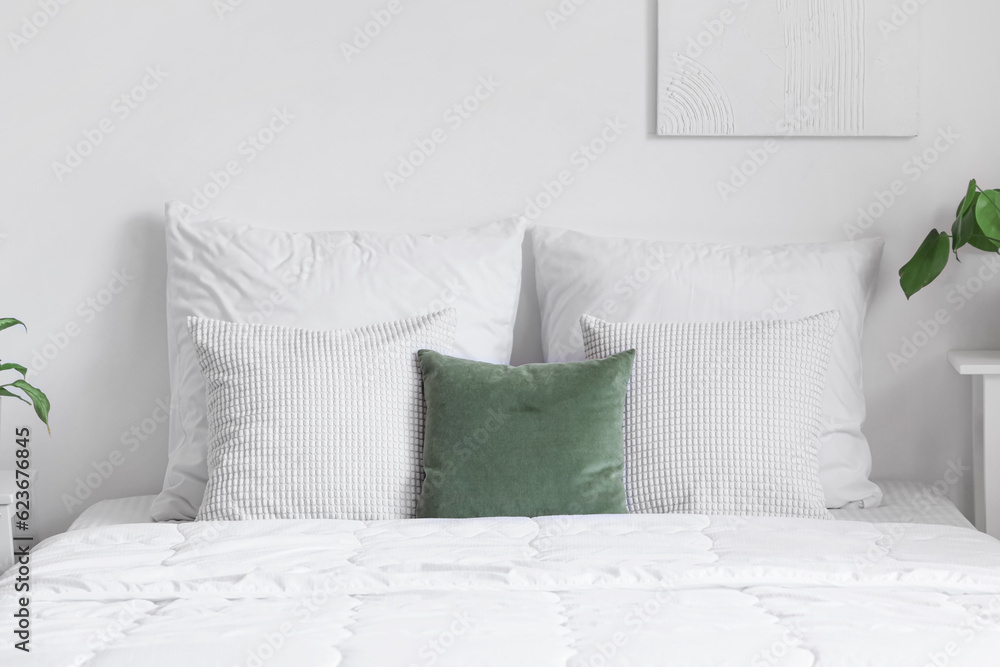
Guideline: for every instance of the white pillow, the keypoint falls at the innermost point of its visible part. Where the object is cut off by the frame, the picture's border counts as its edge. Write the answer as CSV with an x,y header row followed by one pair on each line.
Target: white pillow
x,y
230,271
722,418
647,281
315,424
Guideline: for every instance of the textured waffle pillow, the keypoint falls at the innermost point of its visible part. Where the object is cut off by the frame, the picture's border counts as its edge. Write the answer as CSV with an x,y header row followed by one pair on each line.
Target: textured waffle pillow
x,y
722,418
228,270
535,440
630,280
315,424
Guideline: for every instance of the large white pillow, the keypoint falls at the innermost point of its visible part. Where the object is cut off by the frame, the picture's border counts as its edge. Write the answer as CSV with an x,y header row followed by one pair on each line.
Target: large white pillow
x,y
315,424
722,417
624,280
230,271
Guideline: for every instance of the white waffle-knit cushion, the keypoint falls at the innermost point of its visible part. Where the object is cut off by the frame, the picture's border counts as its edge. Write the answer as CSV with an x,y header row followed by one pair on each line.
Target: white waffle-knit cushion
x,y
722,418
315,424
631,280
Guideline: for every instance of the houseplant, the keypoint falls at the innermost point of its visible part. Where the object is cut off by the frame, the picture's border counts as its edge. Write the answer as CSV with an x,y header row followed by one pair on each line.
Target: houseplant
x,y
977,224
31,395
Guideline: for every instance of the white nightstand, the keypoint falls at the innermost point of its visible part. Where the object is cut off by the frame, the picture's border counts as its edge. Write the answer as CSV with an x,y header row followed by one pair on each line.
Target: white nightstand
x,y
985,369
6,533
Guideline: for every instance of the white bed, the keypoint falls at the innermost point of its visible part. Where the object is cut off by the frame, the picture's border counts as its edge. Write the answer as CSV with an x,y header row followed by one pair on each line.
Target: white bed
x,y
908,583
904,502
628,590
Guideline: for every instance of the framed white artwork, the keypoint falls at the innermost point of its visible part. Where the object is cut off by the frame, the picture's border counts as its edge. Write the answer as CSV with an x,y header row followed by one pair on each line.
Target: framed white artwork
x,y
831,68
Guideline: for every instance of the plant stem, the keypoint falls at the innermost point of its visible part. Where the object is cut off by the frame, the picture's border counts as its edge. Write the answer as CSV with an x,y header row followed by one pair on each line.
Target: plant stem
x,y
988,238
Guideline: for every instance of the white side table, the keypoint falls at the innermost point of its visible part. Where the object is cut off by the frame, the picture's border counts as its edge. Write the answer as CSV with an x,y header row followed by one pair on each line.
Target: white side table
x,y
6,533
984,366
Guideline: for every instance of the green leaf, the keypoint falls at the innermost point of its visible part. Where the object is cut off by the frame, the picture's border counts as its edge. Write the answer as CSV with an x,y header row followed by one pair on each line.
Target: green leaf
x,y
964,228
926,265
988,213
4,392
980,242
38,399
15,367
8,322
969,202
965,218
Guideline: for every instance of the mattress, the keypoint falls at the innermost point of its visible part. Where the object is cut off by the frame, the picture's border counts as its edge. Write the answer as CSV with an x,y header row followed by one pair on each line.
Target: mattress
x,y
904,502
637,590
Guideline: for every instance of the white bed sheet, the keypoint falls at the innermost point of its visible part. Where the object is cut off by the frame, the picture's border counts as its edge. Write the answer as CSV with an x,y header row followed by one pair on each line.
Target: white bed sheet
x,y
640,590
115,512
908,502
904,502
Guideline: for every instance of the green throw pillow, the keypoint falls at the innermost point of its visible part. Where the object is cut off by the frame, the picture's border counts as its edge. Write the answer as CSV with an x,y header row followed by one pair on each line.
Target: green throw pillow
x,y
534,440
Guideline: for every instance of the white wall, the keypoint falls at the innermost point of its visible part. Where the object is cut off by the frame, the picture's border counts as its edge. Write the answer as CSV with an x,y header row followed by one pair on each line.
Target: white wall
x,y
224,76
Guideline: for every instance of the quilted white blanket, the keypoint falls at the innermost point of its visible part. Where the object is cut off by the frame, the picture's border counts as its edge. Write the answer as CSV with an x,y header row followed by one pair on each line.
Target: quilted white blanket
x,y
589,591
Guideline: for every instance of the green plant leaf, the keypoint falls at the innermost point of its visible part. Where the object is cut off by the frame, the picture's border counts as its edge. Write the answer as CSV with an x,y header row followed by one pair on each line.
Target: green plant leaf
x,y
988,213
8,322
965,227
969,202
979,241
4,392
926,265
965,218
38,399
11,366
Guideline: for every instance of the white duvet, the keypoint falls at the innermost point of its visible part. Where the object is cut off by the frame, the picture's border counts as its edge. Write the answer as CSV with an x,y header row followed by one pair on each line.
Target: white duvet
x,y
621,590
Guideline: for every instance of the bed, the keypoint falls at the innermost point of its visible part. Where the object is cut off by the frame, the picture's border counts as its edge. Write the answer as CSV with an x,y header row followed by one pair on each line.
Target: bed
x,y
580,590
352,466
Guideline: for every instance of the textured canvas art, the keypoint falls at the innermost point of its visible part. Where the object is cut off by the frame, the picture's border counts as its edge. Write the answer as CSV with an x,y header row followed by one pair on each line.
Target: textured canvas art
x,y
787,68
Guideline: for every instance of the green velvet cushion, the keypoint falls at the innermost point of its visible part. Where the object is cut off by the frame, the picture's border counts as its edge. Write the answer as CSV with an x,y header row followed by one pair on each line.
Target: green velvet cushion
x,y
534,440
